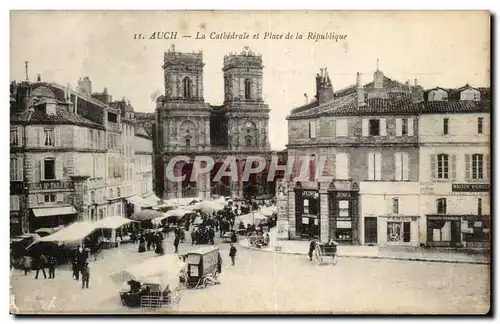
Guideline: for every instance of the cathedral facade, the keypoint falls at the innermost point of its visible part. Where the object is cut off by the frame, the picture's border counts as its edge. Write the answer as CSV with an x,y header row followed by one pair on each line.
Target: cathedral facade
x,y
189,126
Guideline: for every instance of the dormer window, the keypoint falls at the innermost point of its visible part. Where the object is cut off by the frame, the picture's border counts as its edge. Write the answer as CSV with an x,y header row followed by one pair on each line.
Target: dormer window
x,y
51,109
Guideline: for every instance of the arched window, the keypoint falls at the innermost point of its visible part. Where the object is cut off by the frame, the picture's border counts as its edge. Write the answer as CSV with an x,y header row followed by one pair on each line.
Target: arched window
x,y
92,197
188,142
186,86
248,89
248,141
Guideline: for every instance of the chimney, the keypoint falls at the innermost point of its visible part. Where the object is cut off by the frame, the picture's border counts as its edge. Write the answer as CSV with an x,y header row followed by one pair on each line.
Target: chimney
x,y
105,90
360,91
39,78
324,87
416,83
305,96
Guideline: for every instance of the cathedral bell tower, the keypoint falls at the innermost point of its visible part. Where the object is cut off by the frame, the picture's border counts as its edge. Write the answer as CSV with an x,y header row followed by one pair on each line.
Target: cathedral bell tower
x,y
248,114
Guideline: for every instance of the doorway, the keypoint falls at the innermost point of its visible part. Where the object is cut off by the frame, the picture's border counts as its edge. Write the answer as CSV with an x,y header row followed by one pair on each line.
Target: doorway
x,y
370,230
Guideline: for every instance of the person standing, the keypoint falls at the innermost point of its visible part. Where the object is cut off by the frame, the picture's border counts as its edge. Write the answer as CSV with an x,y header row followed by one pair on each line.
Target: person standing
x,y
27,264
193,236
176,243
312,247
211,235
85,276
52,267
232,253
40,265
81,258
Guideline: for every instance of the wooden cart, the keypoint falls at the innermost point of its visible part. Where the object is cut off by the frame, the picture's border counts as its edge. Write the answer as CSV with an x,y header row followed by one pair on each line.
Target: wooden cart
x,y
203,266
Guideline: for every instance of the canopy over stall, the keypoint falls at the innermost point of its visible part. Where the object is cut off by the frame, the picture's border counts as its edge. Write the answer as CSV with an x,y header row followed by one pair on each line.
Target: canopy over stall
x,y
268,211
166,265
153,200
208,206
71,235
137,200
45,231
179,212
252,218
145,215
113,222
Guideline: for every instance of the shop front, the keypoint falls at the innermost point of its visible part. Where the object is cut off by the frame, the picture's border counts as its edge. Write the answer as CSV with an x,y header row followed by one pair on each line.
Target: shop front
x,y
343,217
15,223
398,230
444,230
476,230
307,220
51,217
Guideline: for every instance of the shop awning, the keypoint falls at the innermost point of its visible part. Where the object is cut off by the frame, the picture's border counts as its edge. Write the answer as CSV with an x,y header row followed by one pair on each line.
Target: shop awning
x,y
74,232
136,200
152,199
53,211
112,222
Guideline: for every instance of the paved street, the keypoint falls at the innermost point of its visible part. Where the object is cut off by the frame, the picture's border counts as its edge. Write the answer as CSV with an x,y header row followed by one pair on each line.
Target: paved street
x,y
271,283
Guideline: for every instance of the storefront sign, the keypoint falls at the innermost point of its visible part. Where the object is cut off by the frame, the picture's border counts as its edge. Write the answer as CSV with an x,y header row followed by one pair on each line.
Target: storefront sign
x,y
309,194
344,224
401,219
470,187
343,194
478,224
444,217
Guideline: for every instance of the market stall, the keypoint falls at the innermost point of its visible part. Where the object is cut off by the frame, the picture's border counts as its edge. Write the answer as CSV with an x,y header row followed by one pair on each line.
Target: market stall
x,y
111,226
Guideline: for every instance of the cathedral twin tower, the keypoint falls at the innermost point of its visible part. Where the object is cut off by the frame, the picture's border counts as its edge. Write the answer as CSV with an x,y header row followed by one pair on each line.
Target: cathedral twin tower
x,y
187,125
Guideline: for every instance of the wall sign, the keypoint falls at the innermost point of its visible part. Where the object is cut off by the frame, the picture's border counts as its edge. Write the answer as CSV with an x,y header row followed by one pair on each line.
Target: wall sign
x,y
402,219
451,218
309,194
470,187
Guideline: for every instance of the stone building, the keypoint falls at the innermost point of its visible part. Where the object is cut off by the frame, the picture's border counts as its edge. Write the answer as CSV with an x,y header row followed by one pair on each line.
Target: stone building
x,y
68,154
454,141
186,125
371,191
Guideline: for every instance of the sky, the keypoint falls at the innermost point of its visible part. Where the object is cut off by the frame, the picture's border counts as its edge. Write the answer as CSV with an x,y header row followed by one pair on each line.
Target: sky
x,y
447,49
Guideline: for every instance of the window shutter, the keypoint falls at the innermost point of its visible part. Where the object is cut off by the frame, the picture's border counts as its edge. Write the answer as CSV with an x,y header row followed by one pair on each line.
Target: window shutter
x,y
433,166
378,166
487,165
242,88
397,162
20,169
383,127
41,199
365,127
58,166
406,167
60,198
371,171
42,173
57,135
410,126
453,166
467,167
40,136
388,201
399,127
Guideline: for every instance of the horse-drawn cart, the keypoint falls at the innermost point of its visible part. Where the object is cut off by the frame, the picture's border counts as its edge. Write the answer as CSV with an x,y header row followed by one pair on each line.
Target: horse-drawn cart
x,y
203,267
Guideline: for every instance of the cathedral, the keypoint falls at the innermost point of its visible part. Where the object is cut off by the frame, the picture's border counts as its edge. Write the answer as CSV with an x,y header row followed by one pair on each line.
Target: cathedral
x,y
187,125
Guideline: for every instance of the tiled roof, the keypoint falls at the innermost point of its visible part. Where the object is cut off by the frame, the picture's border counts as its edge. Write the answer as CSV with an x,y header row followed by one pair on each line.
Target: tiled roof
x,y
455,106
62,116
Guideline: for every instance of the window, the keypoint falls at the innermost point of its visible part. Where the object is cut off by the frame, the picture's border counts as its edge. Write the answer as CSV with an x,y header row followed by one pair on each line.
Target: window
x,y
442,172
111,193
477,166
374,166
341,166
186,86
446,122
101,213
16,169
398,232
404,126
248,89
118,193
48,135
306,206
401,166
312,129
479,206
480,121
49,198
341,128
441,205
395,206
92,197
374,127
49,169
344,209
188,142
14,136
248,141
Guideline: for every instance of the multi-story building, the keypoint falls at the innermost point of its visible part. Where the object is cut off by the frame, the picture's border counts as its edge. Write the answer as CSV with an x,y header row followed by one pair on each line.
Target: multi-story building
x,y
186,125
454,138
67,155
367,134
387,148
